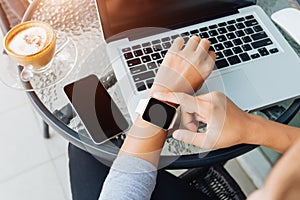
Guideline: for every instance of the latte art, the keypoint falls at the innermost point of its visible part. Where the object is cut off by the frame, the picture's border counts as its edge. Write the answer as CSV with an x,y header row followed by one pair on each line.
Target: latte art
x,y
29,41
31,44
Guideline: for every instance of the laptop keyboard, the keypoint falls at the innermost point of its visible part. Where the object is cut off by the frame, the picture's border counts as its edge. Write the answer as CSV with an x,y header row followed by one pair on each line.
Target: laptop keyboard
x,y
235,41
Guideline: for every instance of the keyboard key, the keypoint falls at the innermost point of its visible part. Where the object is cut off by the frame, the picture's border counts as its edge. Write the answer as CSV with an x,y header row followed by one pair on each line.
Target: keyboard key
x,y
234,60
157,47
253,56
155,42
222,38
140,86
249,31
219,47
166,45
138,69
240,26
143,76
146,59
231,28
258,36
159,62
163,53
257,28
237,41
203,35
221,63
148,50
211,48
138,53
146,44
222,24
263,52
134,62
128,55
261,43
213,33
244,57
227,52
152,65
249,17
246,47
213,26
213,40
222,30
149,83
237,50
174,37
241,19
228,44
246,39
240,33
203,29
231,22
230,36
135,47
275,50
185,34
194,32
126,49
219,55
155,56
186,39
252,22
166,39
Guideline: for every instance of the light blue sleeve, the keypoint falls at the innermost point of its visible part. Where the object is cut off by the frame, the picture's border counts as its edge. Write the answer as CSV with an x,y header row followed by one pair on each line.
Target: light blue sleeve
x,y
129,178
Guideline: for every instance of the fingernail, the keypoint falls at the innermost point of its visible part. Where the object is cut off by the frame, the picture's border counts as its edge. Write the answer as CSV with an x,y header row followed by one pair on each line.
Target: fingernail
x,y
177,135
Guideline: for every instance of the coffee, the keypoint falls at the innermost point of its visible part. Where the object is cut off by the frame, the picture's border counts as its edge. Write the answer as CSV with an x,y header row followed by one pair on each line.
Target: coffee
x,y
31,43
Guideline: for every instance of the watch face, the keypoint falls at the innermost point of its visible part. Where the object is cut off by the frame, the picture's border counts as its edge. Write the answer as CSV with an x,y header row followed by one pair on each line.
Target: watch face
x,y
159,113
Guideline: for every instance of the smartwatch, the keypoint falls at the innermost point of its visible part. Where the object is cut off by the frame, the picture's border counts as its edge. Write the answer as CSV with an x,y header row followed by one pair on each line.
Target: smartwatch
x,y
157,113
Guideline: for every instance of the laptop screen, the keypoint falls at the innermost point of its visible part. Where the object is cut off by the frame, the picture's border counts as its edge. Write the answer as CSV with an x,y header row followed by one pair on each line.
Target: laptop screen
x,y
118,16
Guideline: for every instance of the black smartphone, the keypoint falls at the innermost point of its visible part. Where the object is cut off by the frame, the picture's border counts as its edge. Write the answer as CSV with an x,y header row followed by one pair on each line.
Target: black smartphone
x,y
98,112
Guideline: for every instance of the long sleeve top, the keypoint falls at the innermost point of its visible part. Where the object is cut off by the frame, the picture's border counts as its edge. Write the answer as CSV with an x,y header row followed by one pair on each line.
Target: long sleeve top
x,y
129,178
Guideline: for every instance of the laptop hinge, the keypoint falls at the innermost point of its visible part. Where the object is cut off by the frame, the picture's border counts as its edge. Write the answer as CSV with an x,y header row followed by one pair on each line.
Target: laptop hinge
x,y
145,32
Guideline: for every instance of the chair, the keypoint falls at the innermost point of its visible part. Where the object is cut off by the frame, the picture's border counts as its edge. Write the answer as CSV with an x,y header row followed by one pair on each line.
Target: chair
x,y
11,13
215,182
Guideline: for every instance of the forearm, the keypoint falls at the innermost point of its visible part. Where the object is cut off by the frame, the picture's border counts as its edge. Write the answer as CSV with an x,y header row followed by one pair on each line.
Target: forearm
x,y
273,135
283,182
144,141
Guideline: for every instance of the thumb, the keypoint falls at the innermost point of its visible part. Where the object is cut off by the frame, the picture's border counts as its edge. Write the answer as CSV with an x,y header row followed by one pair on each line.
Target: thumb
x,y
189,137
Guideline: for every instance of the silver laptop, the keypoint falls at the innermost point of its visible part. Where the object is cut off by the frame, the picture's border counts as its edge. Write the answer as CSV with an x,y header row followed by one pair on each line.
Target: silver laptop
x,y
255,65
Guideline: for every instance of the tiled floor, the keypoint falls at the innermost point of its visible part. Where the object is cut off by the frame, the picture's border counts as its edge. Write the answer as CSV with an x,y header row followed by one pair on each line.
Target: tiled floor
x,y
34,168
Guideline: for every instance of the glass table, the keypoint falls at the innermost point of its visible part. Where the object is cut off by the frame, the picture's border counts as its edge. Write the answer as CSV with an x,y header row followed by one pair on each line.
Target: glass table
x,y
78,20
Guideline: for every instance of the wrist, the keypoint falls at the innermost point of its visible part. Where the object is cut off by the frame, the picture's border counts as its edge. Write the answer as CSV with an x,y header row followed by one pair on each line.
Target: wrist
x,y
254,135
257,133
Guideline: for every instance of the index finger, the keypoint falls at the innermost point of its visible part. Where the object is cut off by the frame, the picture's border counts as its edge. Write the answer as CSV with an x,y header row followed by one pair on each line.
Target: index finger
x,y
187,102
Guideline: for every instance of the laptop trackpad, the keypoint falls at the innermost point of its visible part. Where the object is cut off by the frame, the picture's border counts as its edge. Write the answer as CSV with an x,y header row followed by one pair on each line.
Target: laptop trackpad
x,y
236,86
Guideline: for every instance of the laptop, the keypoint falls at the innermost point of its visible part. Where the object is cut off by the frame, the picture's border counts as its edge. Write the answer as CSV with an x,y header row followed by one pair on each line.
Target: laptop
x,y
255,65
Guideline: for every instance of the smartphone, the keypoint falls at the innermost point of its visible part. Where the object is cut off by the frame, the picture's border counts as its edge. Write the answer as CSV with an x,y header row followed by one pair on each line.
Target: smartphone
x,y
98,112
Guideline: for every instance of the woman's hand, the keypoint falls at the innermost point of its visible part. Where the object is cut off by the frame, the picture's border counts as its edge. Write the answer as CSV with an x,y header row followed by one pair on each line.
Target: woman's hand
x,y
226,124
185,69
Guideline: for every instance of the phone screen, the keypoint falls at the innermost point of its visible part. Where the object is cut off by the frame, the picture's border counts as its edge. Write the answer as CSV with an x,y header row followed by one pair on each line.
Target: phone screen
x,y
96,109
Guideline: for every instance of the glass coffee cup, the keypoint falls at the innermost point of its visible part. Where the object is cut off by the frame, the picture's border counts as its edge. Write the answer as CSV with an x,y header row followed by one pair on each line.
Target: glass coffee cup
x,y
32,44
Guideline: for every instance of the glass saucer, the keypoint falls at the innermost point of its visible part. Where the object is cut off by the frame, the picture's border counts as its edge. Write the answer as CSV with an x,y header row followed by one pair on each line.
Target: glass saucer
x,y
60,67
